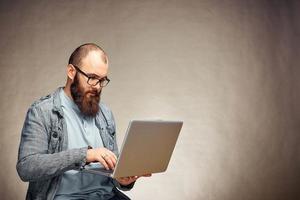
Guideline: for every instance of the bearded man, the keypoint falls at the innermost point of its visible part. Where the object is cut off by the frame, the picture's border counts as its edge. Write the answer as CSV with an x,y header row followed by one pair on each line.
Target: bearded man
x,y
68,129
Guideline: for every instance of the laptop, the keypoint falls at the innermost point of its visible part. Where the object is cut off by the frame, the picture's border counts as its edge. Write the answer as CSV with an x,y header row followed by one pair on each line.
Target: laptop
x,y
147,148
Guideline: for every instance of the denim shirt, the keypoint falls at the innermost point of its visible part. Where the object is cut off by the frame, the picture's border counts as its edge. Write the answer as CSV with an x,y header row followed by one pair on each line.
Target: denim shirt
x,y
43,153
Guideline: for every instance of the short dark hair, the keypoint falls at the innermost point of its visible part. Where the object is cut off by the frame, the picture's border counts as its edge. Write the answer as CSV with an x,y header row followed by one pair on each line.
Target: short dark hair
x,y
82,51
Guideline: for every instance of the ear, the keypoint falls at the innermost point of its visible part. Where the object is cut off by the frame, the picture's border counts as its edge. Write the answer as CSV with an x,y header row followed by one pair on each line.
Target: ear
x,y
71,71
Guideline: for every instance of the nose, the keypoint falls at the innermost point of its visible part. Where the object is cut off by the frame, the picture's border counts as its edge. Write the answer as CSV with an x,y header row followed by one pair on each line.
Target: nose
x,y
97,87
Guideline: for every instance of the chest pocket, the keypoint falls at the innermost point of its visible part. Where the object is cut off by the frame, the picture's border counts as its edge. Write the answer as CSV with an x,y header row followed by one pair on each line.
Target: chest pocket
x,y
108,133
54,138
54,141
111,137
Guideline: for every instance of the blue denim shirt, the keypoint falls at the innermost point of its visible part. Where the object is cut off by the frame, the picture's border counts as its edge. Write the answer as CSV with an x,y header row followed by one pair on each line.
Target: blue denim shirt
x,y
43,154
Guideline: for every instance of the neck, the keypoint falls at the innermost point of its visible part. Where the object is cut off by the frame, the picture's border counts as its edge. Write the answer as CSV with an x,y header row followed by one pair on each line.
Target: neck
x,y
67,90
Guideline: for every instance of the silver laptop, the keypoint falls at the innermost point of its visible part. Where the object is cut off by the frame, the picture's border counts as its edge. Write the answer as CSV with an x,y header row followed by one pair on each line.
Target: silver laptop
x,y
147,148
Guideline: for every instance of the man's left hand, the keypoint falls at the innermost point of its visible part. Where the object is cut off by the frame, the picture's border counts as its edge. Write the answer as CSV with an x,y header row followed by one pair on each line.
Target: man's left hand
x,y
128,180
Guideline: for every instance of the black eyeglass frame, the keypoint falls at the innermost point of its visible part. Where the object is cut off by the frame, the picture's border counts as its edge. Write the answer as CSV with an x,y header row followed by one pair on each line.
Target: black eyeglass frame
x,y
104,80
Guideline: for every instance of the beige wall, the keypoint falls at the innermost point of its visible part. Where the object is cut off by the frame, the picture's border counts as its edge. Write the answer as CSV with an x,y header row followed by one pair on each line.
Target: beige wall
x,y
229,69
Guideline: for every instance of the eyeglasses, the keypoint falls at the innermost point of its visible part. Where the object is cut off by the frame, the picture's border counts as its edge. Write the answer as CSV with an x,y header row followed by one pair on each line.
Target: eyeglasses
x,y
93,81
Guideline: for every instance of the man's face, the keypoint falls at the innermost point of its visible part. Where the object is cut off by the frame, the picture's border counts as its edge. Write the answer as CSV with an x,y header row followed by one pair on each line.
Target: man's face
x,y
85,96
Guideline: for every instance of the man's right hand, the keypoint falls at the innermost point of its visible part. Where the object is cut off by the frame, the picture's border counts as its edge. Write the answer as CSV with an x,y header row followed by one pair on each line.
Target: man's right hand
x,y
106,157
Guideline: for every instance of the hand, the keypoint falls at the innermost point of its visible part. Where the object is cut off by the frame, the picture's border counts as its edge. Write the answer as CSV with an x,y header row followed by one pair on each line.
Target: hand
x,y
128,180
106,157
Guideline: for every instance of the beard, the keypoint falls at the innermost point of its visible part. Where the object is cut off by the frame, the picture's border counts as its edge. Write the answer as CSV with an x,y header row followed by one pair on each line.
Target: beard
x,y
87,102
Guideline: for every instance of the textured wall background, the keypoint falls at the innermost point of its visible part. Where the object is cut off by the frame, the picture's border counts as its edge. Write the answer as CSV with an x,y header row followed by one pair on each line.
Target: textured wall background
x,y
229,69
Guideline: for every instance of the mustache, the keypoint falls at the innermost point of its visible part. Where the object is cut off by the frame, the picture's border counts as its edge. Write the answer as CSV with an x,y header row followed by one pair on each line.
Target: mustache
x,y
94,92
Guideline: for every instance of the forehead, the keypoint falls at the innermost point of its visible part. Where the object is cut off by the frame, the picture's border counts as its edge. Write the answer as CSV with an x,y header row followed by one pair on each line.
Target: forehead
x,y
93,63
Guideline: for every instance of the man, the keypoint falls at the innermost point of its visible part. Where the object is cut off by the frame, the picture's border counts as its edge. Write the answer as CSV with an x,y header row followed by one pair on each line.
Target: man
x,y
68,129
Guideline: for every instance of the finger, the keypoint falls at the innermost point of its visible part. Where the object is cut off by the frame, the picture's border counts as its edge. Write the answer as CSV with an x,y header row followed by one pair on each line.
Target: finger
x,y
112,154
125,182
103,162
107,156
133,178
109,162
147,175
122,180
127,178
104,150
112,158
114,162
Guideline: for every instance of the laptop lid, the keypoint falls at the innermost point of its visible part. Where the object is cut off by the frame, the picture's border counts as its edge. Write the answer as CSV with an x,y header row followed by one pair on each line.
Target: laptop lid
x,y
147,148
